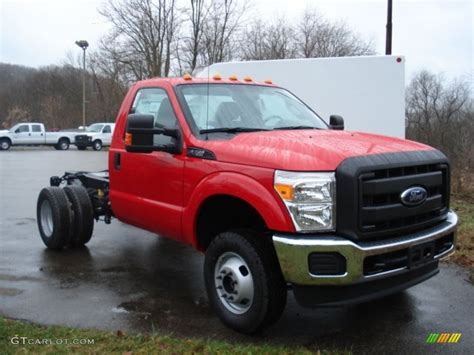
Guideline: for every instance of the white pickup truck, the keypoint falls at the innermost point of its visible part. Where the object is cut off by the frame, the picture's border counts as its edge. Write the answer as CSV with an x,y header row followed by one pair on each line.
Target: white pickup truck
x,y
33,133
97,136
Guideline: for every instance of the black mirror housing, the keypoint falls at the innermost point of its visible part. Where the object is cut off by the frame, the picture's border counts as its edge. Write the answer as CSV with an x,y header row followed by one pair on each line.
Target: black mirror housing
x,y
140,131
336,122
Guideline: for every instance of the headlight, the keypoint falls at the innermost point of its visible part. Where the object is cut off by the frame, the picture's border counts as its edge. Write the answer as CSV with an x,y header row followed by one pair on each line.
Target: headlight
x,y
310,199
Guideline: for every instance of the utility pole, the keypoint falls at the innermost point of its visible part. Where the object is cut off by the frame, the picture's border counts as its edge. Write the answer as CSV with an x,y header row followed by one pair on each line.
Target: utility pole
x,y
388,39
83,44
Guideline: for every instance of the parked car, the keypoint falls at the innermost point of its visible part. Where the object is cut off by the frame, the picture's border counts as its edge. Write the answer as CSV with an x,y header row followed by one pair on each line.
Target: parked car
x,y
34,133
97,136
275,197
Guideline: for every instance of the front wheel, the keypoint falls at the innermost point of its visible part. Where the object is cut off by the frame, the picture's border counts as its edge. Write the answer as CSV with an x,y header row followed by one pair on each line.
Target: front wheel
x,y
5,144
243,281
97,145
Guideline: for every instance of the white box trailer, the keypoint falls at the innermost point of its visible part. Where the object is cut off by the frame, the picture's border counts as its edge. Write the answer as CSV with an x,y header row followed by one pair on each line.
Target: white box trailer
x,y
369,91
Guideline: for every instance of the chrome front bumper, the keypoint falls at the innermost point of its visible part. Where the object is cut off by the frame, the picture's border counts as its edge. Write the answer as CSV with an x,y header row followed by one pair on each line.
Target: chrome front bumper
x,y
293,253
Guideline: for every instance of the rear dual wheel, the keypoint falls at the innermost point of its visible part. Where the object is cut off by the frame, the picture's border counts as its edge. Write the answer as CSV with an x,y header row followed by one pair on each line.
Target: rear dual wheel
x,y
83,214
65,216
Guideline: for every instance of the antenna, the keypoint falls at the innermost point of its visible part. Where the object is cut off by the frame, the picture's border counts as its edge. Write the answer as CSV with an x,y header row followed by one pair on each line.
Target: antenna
x,y
207,105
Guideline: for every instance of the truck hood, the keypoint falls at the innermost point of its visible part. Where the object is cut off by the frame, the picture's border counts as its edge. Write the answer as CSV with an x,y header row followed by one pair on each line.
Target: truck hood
x,y
305,150
4,131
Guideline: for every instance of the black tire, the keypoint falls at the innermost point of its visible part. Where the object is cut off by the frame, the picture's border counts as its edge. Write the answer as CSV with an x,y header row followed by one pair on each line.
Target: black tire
x,y
97,144
269,288
53,215
82,216
63,144
80,147
5,144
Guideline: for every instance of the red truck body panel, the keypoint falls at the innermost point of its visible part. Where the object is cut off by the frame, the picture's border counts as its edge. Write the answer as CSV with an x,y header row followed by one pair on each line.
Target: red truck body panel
x,y
162,192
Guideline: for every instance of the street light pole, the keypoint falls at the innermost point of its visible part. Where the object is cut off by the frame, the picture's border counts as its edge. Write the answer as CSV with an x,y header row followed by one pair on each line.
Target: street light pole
x,y
388,39
83,44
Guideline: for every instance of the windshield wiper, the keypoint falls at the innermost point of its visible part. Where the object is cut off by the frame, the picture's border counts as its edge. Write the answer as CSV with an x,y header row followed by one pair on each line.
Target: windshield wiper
x,y
231,130
295,127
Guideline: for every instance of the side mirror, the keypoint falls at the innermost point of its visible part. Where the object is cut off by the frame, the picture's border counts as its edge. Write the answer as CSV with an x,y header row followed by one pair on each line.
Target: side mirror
x,y
336,122
17,130
140,132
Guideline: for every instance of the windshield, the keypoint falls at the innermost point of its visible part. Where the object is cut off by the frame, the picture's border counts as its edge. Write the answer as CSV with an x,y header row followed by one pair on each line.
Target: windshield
x,y
14,127
230,107
95,128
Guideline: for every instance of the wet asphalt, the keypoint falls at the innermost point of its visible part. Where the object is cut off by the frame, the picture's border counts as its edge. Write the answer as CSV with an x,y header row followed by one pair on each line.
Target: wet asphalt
x,y
137,282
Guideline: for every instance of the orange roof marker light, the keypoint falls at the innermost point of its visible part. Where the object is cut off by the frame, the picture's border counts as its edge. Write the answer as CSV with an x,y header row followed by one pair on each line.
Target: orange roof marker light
x,y
187,76
248,78
233,77
268,81
217,76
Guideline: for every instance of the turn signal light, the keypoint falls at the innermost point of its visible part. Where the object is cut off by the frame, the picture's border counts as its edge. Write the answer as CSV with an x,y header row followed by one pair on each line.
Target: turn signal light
x,y
285,191
128,139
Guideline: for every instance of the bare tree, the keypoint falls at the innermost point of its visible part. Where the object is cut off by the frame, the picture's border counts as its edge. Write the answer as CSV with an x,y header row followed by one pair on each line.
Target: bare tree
x,y
15,115
317,37
440,114
142,35
220,28
274,41
193,45
313,36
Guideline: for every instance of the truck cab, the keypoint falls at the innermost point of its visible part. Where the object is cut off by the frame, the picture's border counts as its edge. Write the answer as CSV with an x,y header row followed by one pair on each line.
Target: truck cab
x,y
275,197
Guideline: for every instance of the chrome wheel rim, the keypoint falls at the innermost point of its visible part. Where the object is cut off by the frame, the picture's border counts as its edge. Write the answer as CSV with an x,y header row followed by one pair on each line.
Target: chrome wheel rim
x,y
234,283
63,146
4,145
46,217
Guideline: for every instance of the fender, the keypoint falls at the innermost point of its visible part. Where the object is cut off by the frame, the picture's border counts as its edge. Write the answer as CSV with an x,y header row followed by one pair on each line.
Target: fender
x,y
240,186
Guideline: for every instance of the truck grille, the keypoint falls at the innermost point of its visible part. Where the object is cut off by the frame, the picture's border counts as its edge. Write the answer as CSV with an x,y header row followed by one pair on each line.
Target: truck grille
x,y
381,210
82,138
369,188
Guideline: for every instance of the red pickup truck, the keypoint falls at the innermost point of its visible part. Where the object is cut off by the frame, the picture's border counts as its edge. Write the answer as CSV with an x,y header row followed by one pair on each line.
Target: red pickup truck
x,y
275,197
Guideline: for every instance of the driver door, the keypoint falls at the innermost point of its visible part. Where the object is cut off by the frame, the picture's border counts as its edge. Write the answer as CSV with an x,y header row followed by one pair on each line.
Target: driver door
x,y
22,134
107,134
148,187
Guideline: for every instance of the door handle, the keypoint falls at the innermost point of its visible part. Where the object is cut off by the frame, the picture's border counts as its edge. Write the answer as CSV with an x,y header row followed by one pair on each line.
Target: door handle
x,y
117,161
29,134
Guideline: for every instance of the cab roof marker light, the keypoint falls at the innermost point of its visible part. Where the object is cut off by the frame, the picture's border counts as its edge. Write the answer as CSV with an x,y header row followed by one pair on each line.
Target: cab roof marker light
x,y
248,78
187,76
268,81
233,77
217,76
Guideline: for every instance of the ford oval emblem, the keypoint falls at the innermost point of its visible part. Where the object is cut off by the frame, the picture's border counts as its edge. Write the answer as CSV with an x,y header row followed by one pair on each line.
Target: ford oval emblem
x,y
414,196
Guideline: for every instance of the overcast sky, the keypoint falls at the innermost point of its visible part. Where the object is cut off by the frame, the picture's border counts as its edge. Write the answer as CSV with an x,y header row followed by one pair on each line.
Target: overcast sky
x,y
433,34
